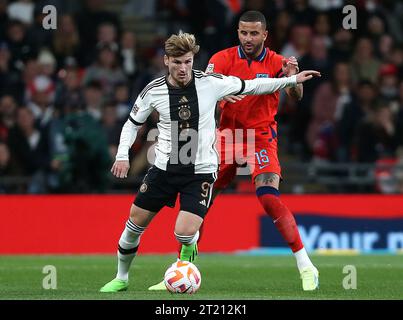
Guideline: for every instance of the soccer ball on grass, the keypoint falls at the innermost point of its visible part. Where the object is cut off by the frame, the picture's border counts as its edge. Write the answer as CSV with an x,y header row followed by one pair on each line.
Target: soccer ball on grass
x,y
182,277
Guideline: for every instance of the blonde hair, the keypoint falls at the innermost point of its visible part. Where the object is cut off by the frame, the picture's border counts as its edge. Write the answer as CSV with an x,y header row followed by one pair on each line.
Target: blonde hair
x,y
179,44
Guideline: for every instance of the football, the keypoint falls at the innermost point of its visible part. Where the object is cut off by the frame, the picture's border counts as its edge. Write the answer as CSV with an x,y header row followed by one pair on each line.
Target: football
x,y
182,277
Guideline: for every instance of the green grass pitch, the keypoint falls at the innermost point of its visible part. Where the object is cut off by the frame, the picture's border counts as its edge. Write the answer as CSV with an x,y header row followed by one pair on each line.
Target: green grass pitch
x,y
223,277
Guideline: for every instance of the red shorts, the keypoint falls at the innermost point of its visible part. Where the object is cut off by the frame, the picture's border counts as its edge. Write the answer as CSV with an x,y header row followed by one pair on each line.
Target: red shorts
x,y
255,147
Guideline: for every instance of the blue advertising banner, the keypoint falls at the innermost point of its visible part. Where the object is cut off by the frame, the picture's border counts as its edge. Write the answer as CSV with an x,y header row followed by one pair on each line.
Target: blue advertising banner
x,y
319,232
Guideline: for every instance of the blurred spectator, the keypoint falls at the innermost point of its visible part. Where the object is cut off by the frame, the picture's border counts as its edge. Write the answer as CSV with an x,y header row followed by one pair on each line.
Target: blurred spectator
x,y
106,69
139,8
21,48
399,115
329,102
7,168
317,59
87,148
376,135
299,43
302,12
364,65
4,19
8,109
385,47
375,28
388,82
29,149
397,59
322,28
122,98
392,12
342,48
40,99
46,63
278,33
389,174
88,21
361,104
10,80
69,93
112,127
129,53
37,33
326,5
93,99
22,10
66,41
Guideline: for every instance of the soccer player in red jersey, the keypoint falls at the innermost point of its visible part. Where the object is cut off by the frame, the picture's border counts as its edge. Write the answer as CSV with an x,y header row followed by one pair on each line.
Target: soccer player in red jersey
x,y
250,60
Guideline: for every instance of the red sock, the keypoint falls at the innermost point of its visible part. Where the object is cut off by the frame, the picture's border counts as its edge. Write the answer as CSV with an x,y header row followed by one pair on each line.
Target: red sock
x,y
283,219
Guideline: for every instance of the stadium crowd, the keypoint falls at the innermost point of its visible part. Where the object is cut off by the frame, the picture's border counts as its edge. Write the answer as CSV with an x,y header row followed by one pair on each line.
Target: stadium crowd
x,y
65,93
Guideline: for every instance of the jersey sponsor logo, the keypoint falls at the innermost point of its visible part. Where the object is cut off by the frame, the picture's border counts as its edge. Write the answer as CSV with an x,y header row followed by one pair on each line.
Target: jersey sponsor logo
x,y
210,68
262,75
183,100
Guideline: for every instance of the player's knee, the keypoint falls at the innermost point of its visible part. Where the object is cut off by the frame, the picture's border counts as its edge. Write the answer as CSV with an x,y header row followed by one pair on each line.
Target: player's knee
x,y
187,239
138,216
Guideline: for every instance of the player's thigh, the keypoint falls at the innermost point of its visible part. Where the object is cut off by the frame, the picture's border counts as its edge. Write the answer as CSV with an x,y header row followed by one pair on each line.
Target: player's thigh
x,y
196,193
187,223
141,217
156,191
265,162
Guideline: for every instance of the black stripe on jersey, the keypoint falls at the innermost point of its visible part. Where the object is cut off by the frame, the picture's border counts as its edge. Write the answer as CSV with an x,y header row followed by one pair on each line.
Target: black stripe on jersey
x,y
179,124
135,122
242,87
199,74
216,75
156,83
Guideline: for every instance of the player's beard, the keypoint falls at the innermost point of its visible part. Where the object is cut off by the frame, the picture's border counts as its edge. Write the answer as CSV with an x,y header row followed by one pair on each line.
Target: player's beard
x,y
254,52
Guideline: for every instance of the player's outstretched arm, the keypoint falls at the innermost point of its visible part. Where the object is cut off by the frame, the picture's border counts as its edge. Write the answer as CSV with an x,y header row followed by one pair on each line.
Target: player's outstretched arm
x,y
307,75
270,85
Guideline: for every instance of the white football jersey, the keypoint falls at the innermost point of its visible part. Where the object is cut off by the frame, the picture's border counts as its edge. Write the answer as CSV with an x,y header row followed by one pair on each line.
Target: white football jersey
x,y
187,127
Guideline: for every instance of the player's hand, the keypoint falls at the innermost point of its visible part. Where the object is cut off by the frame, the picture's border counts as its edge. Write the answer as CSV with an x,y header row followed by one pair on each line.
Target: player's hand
x,y
290,66
120,168
307,75
234,99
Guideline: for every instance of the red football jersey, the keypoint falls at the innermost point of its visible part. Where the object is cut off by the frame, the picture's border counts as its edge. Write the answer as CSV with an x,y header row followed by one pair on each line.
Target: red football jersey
x,y
253,111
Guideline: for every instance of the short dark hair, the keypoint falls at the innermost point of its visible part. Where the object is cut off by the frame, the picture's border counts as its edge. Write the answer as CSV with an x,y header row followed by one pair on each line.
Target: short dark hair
x,y
253,16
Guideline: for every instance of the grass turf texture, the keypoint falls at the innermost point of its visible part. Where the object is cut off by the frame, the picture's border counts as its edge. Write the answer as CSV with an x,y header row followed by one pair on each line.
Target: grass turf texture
x,y
223,277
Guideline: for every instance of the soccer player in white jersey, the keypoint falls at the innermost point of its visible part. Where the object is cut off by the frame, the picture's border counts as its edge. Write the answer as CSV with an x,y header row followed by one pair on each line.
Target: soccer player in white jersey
x,y
185,100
